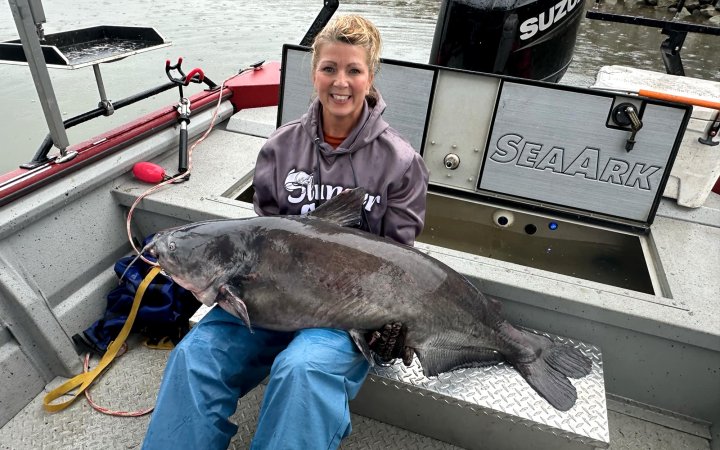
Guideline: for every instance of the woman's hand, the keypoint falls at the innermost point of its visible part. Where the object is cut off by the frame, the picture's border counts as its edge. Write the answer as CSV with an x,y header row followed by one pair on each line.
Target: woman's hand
x,y
388,343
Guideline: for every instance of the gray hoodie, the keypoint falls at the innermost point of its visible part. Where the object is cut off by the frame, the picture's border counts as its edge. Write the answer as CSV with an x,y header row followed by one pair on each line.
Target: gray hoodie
x,y
297,171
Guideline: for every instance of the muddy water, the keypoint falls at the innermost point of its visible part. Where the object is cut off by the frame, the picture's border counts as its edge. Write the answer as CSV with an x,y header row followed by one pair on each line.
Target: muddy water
x,y
231,34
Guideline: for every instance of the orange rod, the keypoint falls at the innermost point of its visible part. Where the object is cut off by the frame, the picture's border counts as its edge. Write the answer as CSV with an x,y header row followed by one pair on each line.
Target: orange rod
x,y
679,99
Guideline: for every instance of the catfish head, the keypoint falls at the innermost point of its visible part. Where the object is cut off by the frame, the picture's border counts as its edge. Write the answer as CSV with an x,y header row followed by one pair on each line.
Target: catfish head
x,y
202,257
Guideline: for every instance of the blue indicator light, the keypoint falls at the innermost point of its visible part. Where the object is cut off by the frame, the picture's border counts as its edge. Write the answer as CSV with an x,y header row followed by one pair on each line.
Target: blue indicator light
x,y
553,226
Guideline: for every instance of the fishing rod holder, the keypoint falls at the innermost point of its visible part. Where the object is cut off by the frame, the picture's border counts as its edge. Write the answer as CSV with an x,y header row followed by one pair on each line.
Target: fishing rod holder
x,y
183,109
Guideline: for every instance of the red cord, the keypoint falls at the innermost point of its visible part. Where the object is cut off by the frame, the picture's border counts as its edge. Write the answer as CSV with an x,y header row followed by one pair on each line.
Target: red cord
x,y
110,412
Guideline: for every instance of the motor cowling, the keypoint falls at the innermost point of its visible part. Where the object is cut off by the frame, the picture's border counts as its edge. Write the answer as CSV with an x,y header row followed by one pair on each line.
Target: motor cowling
x,y
532,39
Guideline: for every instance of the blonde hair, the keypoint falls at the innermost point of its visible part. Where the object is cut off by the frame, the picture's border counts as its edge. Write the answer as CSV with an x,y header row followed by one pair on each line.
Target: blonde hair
x,y
353,30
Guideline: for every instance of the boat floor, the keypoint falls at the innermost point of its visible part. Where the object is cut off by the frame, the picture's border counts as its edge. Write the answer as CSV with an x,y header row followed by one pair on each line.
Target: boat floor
x,y
132,381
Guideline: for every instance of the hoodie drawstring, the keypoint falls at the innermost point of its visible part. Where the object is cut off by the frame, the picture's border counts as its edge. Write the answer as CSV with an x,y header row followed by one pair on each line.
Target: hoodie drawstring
x,y
362,210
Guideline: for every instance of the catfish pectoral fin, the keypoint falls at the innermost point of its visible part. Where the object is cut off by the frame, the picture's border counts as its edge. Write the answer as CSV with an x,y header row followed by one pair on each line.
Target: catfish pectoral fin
x,y
231,302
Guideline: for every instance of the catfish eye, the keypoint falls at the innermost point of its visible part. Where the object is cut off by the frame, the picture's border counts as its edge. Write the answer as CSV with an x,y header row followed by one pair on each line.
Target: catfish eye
x,y
171,246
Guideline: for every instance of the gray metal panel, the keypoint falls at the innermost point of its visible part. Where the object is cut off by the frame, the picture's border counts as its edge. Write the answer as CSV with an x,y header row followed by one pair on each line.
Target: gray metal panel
x,y
552,145
35,246
406,91
297,88
459,124
30,319
668,372
505,411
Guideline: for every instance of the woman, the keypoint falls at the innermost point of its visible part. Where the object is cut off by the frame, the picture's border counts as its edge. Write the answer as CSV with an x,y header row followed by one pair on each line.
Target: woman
x,y
342,142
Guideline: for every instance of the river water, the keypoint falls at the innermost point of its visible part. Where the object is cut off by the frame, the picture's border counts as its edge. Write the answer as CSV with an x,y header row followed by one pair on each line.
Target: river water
x,y
227,35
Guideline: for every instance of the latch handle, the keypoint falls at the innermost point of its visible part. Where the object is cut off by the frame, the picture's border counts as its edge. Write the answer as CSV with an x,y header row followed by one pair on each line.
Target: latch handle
x,y
626,114
635,125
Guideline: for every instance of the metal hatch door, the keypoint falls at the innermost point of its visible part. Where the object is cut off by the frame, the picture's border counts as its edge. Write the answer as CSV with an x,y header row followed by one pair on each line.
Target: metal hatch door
x,y
551,177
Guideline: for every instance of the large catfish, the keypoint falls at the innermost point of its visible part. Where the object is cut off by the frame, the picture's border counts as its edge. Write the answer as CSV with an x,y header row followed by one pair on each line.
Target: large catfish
x,y
292,272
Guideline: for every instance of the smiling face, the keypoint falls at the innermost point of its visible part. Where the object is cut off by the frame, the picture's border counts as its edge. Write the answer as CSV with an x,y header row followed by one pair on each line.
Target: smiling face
x,y
342,79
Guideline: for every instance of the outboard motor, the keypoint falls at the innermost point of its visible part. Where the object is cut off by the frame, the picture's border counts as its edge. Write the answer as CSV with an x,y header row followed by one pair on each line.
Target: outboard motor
x,y
532,39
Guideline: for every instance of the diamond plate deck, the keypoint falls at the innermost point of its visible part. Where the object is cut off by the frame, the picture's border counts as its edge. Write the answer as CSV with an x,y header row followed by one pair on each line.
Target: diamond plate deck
x,y
132,381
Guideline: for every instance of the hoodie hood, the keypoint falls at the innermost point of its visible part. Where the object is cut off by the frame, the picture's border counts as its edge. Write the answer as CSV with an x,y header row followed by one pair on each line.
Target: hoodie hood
x,y
370,126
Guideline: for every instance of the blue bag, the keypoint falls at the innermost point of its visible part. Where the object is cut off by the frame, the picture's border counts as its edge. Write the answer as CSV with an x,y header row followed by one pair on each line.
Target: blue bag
x,y
164,310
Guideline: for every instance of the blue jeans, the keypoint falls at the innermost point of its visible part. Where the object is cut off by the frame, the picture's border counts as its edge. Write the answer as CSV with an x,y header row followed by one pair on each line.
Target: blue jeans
x,y
313,374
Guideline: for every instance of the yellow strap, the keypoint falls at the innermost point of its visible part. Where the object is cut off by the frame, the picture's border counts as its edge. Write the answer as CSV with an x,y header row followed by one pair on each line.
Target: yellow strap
x,y
82,381
163,344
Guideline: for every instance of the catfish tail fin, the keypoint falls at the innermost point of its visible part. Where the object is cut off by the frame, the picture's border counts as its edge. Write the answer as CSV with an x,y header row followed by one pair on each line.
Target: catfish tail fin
x,y
548,372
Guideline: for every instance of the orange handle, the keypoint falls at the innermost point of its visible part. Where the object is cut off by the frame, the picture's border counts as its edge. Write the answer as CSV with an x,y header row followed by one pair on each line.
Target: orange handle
x,y
679,99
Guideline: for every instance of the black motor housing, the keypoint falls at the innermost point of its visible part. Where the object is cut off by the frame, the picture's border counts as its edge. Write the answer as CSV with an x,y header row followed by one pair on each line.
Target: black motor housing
x,y
532,39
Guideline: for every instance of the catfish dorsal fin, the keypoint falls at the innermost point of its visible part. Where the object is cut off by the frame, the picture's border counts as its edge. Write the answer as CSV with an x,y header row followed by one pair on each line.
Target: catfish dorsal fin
x,y
344,209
